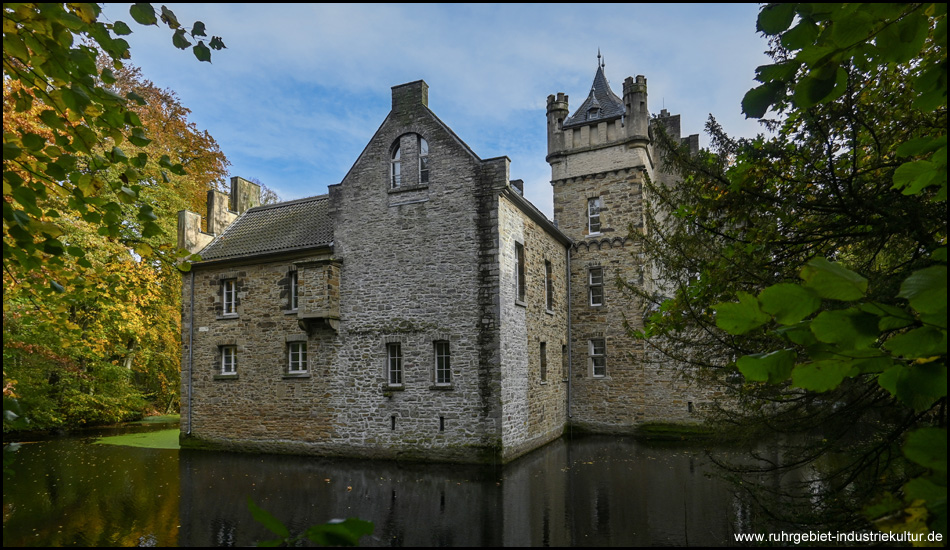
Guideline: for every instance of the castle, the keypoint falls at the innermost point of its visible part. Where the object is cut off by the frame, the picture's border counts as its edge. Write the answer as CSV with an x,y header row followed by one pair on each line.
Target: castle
x,y
423,308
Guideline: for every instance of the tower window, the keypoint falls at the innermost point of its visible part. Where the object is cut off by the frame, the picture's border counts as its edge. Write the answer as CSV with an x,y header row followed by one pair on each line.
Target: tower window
x,y
594,206
595,286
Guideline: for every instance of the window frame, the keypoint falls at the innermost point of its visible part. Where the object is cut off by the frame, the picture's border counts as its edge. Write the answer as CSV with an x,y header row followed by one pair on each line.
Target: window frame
x,y
442,365
423,161
595,288
395,167
394,354
294,290
228,366
543,355
301,363
520,273
229,297
598,361
594,207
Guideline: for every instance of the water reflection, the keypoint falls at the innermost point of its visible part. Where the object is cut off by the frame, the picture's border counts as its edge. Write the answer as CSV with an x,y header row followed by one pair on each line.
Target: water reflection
x,y
592,491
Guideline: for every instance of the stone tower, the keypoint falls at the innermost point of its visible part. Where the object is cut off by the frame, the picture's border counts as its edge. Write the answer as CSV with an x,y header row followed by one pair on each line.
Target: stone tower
x,y
600,157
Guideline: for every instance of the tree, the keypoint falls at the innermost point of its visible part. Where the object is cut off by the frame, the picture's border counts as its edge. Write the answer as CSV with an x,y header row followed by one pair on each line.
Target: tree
x,y
97,161
833,234
50,52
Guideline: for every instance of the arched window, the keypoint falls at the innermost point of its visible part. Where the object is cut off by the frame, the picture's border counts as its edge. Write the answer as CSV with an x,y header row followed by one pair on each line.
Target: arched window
x,y
423,160
396,178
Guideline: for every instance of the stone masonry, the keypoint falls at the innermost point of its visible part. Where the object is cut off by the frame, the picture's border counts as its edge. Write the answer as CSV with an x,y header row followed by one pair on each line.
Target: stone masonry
x,y
423,309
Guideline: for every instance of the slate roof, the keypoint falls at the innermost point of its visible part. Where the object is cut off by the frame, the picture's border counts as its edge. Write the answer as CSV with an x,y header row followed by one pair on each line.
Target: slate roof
x,y
600,96
286,226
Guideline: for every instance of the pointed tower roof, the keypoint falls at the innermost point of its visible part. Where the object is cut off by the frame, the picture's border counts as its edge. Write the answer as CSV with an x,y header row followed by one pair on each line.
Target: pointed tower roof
x,y
601,104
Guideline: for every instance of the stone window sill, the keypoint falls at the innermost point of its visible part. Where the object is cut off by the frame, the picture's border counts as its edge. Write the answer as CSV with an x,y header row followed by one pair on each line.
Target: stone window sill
x,y
442,387
592,235
549,311
404,188
227,316
521,303
289,375
232,376
290,311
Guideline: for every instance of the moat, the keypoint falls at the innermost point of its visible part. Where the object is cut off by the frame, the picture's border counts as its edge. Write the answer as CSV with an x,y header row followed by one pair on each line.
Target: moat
x,y
580,491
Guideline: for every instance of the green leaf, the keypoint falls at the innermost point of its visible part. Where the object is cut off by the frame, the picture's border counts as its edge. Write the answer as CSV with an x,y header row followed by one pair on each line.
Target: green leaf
x,y
121,28
198,29
144,14
918,343
799,333
928,447
789,303
903,40
758,100
801,35
139,138
216,43
742,317
775,18
849,328
914,176
926,290
168,17
821,376
179,40
832,281
772,367
267,520
202,52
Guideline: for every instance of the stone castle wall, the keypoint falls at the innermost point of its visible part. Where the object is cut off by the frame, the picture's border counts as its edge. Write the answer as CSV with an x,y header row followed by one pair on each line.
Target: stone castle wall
x,y
534,405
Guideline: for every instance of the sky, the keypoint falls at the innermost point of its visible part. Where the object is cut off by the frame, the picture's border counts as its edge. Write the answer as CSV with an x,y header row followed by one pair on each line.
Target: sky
x,y
301,89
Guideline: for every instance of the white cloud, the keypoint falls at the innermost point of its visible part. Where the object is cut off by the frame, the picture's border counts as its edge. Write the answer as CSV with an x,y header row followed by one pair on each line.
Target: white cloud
x,y
301,88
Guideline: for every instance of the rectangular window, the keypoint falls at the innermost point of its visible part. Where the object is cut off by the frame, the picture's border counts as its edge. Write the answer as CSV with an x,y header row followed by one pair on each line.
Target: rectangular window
x,y
394,364
297,357
598,358
548,286
229,297
443,367
519,271
593,216
423,161
293,290
595,285
544,361
228,360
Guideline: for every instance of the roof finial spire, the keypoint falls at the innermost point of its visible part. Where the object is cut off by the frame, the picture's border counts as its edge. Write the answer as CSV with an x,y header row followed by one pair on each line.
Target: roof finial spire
x,y
598,59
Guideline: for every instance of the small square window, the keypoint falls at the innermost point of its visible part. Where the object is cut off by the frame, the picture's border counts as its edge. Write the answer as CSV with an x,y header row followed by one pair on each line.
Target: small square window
x,y
297,357
394,364
229,297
